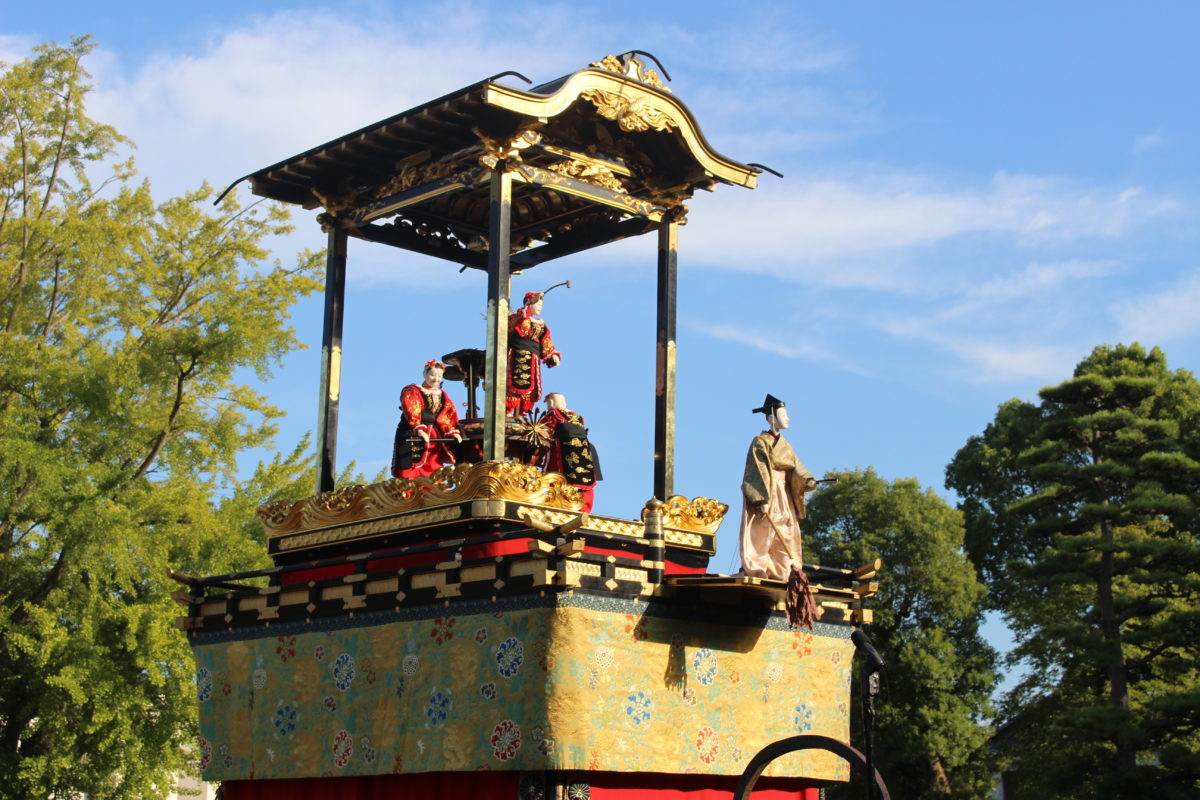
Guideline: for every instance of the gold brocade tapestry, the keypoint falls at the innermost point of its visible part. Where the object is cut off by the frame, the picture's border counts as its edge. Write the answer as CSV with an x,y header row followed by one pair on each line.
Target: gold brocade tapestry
x,y
569,682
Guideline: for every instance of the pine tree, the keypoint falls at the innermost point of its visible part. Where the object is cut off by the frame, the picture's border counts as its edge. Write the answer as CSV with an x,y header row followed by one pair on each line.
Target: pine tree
x,y
1082,511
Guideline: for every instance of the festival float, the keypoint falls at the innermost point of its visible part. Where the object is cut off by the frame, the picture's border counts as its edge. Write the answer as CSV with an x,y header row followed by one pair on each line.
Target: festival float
x,y
472,627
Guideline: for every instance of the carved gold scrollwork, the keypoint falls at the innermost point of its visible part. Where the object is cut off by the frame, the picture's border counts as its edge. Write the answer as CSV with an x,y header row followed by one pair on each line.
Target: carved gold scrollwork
x,y
336,204
411,176
488,479
610,63
497,150
631,67
700,514
592,173
630,115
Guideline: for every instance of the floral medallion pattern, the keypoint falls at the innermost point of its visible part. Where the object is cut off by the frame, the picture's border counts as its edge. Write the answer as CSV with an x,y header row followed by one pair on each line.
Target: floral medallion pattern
x,y
509,656
802,718
708,744
705,665
286,648
204,685
285,719
570,688
343,748
506,740
638,708
438,708
343,671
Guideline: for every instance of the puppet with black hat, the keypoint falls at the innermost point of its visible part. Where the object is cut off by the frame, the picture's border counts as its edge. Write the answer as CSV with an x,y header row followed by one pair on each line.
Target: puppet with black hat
x,y
773,490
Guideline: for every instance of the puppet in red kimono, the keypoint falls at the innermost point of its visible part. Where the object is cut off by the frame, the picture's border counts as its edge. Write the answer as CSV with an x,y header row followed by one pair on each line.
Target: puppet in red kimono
x,y
428,419
571,453
529,345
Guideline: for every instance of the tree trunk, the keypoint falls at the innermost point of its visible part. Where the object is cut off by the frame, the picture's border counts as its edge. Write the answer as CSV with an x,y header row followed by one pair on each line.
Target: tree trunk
x,y
1110,628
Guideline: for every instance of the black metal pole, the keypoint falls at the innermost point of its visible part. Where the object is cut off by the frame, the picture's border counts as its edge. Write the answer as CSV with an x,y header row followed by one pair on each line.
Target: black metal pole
x,y
664,367
499,286
870,688
331,360
869,677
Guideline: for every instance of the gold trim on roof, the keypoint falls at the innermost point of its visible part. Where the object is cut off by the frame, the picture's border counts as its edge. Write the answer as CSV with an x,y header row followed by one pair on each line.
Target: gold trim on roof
x,y
371,527
589,171
631,91
487,479
496,150
632,67
700,514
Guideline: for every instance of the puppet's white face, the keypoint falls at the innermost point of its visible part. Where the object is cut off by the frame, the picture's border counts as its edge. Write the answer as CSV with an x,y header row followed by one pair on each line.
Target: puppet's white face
x,y
433,377
779,419
555,402
535,307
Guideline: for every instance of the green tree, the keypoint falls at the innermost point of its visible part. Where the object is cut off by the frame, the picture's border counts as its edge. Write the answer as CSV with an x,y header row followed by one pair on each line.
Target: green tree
x,y
1081,512
126,332
931,735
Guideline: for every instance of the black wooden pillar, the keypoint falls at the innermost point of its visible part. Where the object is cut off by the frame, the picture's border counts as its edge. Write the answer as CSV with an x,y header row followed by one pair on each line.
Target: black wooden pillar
x,y
664,376
499,285
331,360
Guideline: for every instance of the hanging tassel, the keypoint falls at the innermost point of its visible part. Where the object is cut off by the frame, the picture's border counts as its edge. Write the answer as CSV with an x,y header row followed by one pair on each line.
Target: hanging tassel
x,y
801,607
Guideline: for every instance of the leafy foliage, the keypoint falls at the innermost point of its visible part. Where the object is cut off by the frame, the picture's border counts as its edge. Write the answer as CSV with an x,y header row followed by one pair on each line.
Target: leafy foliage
x,y
124,327
1081,512
930,736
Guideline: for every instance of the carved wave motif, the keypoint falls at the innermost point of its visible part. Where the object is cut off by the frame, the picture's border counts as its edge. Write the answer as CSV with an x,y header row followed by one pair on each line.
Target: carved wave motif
x,y
630,115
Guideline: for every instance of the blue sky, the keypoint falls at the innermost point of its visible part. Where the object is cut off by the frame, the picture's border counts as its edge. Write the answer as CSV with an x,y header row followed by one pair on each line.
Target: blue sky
x,y
975,196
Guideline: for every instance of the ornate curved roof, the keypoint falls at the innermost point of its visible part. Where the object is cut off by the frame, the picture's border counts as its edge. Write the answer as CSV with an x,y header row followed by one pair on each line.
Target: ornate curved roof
x,y
598,155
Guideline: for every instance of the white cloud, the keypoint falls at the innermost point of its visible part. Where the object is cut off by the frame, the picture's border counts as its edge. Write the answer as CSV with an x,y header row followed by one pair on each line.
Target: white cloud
x,y
1148,141
1017,325
798,229
277,85
986,355
1157,317
1035,280
1003,361
778,342
280,84
15,48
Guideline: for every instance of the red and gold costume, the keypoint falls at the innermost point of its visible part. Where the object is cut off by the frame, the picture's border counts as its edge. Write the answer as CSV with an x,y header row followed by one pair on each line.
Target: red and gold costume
x,y
571,454
529,344
423,410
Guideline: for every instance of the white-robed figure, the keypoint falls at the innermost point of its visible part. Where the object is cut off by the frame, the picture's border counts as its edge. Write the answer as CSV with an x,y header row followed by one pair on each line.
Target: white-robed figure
x,y
773,490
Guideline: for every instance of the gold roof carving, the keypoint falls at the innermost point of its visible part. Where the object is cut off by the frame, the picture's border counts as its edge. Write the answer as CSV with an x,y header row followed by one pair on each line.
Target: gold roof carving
x,y
636,114
604,153
635,104
700,514
487,479
591,172
632,67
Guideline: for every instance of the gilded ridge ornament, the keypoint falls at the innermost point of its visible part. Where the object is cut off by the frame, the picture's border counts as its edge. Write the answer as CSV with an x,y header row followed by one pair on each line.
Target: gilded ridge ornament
x,y
488,479
631,67
700,514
